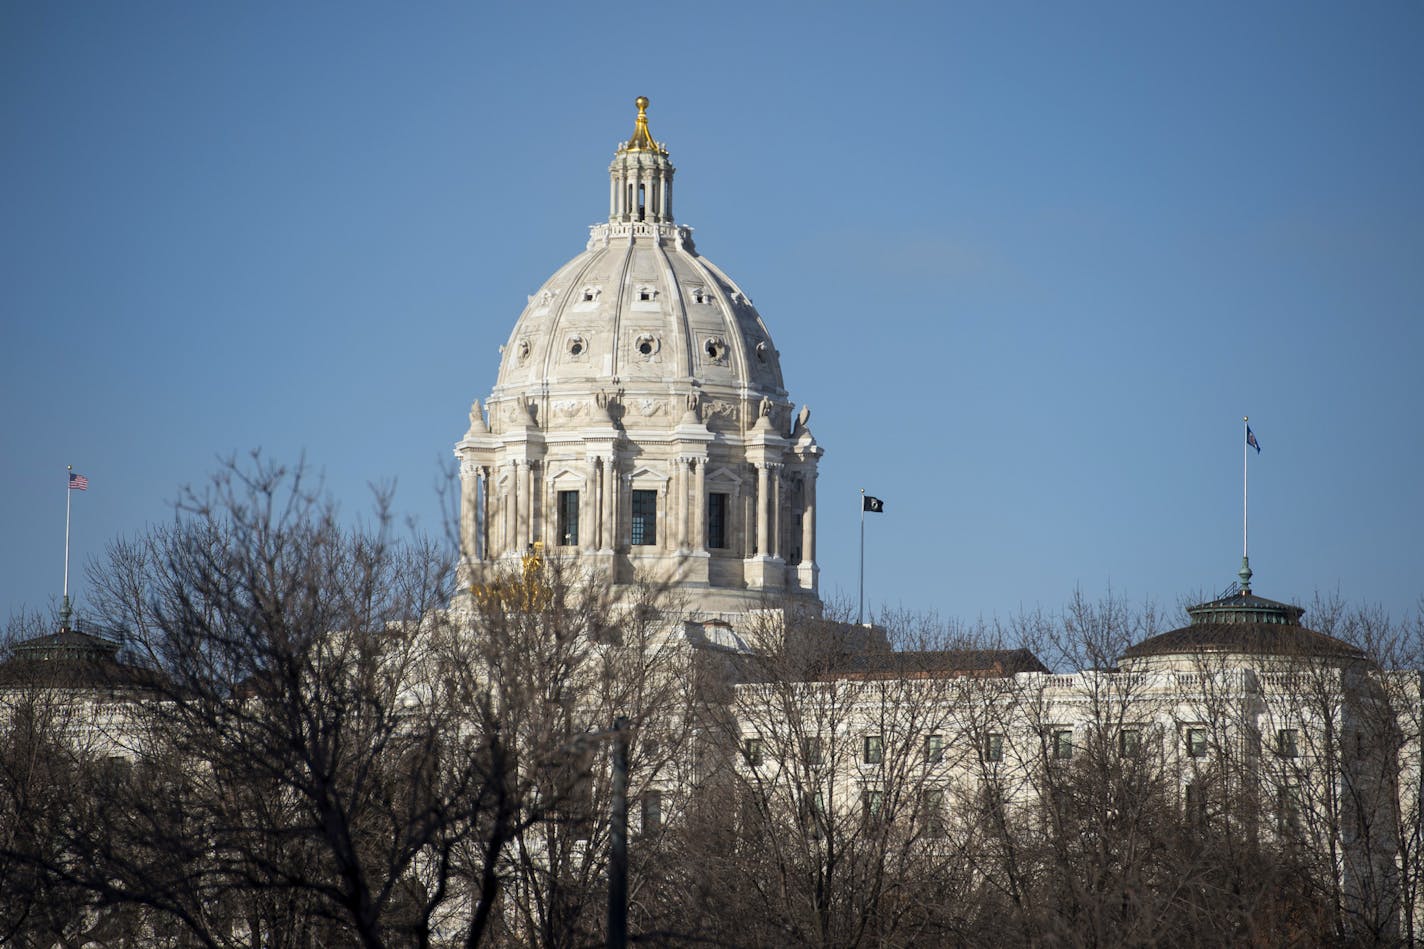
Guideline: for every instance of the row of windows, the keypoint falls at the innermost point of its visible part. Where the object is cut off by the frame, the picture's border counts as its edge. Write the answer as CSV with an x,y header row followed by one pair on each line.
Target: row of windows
x,y
644,519
1060,746
1196,801
872,751
1287,742
1198,804
647,294
929,813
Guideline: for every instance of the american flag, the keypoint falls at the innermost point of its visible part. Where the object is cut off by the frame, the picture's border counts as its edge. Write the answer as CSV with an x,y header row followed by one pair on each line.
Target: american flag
x,y
77,482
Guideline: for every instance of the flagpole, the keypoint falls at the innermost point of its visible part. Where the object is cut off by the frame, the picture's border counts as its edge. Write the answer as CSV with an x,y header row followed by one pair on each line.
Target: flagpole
x,y
68,499
860,611
1245,446
1245,572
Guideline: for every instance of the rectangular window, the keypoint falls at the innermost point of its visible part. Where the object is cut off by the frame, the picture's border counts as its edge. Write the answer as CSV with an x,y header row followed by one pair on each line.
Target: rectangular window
x,y
1288,743
1061,747
751,751
652,806
934,749
1195,799
813,815
568,518
1196,742
716,520
993,747
932,812
811,750
874,799
874,749
645,518
1129,742
1288,807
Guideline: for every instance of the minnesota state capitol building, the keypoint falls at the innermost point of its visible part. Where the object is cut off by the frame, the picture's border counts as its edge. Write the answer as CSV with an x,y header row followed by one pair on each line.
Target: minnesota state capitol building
x,y
640,427
1243,778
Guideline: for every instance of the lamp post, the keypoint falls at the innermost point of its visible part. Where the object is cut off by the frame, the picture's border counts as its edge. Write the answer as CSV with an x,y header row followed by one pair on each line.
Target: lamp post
x,y
618,840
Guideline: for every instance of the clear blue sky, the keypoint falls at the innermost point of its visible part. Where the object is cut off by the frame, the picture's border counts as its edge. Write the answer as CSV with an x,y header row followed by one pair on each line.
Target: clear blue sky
x,y
1029,264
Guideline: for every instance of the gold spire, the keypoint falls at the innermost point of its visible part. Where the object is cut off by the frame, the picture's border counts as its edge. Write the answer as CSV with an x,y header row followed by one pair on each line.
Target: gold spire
x,y
642,140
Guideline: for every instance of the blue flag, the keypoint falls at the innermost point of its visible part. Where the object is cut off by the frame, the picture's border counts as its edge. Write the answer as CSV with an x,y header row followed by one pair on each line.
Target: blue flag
x,y
1251,440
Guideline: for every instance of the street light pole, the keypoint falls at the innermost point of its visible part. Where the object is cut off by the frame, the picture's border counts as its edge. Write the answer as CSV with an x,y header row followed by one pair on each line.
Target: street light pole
x,y
618,840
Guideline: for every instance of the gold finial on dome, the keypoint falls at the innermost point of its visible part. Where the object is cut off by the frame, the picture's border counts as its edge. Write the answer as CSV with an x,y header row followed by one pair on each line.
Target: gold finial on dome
x,y
642,140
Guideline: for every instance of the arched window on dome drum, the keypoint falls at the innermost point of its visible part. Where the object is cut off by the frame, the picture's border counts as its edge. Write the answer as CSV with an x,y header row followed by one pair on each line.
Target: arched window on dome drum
x,y
642,200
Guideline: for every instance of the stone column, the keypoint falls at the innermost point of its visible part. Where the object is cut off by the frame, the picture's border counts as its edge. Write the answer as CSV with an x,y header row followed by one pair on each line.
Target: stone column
x,y
526,527
548,511
776,510
597,500
746,521
808,520
674,505
699,505
516,514
486,497
588,508
688,503
666,541
469,510
611,485
763,510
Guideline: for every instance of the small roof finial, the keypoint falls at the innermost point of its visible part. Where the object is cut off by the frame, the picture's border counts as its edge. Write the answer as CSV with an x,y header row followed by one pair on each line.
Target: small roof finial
x,y
1245,574
642,139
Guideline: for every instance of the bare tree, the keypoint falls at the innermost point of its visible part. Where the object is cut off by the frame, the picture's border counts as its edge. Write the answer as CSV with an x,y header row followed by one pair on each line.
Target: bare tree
x,y
545,664
824,821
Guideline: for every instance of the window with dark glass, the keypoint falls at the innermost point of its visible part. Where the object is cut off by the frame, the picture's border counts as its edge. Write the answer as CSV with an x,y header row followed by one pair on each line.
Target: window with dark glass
x,y
813,815
1196,742
993,747
751,751
1288,743
568,518
1129,742
934,749
811,750
652,806
1061,745
1195,800
932,812
716,520
1288,807
874,749
645,518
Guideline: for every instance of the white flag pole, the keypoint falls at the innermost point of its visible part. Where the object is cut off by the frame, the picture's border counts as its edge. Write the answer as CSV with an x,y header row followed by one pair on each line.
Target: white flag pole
x,y
68,498
1245,449
1245,572
860,612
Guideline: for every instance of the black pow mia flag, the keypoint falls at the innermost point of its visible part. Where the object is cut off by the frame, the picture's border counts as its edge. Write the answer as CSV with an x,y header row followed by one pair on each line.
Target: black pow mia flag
x,y
874,505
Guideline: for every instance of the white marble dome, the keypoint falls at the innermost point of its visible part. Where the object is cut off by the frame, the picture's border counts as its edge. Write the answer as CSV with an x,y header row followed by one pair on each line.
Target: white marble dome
x,y
651,317
640,315
639,423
